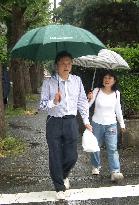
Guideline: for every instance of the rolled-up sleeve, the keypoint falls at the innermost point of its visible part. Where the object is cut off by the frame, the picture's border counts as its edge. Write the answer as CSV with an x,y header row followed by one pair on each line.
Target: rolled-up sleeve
x,y
118,111
45,103
83,105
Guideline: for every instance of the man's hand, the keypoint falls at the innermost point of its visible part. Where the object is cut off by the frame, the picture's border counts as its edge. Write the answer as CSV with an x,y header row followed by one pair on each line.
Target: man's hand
x,y
89,127
57,98
90,96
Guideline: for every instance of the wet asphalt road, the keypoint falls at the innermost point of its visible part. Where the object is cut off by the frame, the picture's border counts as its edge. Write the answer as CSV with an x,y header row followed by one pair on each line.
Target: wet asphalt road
x,y
29,172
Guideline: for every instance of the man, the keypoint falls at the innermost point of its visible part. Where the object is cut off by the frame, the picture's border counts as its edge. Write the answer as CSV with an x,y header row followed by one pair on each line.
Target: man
x,y
62,95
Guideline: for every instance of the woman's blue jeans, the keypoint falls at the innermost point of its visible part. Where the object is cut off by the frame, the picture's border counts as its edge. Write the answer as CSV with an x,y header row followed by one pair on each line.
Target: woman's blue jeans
x,y
107,134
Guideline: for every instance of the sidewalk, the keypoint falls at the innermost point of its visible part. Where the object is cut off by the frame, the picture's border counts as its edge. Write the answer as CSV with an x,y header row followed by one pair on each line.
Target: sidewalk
x,y
29,172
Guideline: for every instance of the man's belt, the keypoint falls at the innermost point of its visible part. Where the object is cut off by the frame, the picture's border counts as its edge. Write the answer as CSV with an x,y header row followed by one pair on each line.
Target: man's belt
x,y
68,116
64,117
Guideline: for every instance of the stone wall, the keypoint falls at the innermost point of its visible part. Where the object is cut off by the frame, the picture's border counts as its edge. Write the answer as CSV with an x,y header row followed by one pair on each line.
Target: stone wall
x,y
131,136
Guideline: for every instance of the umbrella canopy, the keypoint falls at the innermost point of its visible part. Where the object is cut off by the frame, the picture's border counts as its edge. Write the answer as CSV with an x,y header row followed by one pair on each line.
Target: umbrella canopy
x,y
44,43
105,59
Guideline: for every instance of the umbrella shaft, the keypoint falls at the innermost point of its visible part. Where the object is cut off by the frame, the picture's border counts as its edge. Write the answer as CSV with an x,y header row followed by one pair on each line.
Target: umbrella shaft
x,y
93,79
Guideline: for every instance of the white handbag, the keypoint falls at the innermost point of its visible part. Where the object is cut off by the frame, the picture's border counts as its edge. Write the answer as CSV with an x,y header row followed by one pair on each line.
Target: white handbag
x,y
89,142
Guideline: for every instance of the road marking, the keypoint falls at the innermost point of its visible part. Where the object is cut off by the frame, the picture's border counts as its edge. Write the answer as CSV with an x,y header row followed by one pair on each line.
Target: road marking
x,y
72,194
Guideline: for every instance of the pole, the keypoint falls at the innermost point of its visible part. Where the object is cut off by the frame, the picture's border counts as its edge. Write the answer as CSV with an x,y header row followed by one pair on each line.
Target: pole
x,y
54,4
2,113
93,79
54,13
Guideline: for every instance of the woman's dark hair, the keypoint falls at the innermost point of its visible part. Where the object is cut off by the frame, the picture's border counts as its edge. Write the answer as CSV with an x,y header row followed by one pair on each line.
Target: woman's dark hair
x,y
112,74
62,54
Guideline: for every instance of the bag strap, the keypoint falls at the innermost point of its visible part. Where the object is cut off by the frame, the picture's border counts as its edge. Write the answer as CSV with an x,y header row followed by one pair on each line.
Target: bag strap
x,y
96,95
98,92
116,93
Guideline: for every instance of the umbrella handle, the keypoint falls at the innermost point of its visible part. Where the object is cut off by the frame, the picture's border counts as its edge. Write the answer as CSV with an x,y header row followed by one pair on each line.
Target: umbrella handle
x,y
58,89
93,80
58,85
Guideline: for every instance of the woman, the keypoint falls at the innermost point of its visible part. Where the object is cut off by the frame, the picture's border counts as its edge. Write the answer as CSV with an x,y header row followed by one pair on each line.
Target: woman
x,y
107,110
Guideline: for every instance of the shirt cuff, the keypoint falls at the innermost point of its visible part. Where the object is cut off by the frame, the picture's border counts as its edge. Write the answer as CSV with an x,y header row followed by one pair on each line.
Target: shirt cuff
x,y
51,104
86,121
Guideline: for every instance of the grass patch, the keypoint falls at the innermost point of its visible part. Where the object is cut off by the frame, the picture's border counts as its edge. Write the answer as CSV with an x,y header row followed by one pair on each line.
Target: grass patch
x,y
10,146
11,112
32,97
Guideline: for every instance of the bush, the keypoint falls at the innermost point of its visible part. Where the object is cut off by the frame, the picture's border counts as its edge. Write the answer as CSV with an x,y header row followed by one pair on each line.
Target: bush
x,y
129,85
131,55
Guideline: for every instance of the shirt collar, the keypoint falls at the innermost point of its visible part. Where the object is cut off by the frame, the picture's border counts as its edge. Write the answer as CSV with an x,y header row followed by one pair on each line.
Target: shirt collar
x,y
61,80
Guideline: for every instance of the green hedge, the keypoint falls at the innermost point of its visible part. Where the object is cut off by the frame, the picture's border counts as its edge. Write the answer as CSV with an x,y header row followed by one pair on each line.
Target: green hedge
x,y
129,87
129,80
131,55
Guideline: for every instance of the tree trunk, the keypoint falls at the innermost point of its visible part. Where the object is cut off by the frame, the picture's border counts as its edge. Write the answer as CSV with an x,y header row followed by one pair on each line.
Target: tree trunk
x,y
34,77
27,81
17,26
18,84
41,75
2,116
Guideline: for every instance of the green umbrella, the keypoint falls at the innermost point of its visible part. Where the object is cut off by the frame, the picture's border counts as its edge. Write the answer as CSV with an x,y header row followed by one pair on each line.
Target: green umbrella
x,y
44,43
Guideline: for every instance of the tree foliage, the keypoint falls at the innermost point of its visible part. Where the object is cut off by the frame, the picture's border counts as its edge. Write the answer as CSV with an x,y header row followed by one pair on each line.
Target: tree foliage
x,y
19,16
113,23
70,11
36,12
40,14
3,49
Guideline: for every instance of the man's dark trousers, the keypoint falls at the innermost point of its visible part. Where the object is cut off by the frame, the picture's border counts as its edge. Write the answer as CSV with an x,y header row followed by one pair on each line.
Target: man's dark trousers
x,y
61,134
